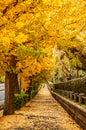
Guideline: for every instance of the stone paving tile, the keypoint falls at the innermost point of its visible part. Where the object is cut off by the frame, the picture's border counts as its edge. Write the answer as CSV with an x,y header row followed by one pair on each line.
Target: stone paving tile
x,y
41,113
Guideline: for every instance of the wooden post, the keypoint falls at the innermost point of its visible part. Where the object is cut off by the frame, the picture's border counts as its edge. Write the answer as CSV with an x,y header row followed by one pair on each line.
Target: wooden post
x,y
68,94
71,92
76,97
80,97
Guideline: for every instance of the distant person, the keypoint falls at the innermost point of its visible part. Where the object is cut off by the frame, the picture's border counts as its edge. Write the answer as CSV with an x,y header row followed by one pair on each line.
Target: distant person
x,y
43,85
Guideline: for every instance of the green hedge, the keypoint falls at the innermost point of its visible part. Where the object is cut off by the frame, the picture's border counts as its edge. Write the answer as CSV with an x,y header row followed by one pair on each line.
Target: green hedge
x,y
20,100
76,85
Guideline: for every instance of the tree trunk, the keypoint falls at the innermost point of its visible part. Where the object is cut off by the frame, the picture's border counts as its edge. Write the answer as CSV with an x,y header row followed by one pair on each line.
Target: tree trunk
x,y
20,84
78,74
10,87
17,88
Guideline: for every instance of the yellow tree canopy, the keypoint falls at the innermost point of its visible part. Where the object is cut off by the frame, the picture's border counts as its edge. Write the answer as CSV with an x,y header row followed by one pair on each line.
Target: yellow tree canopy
x,y
30,28
24,42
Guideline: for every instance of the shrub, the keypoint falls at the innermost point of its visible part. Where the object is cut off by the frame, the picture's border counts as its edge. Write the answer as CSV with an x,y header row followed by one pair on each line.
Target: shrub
x,y
32,91
20,100
32,94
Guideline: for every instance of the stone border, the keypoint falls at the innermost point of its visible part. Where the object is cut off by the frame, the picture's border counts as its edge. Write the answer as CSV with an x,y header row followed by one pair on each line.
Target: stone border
x,y
78,113
77,97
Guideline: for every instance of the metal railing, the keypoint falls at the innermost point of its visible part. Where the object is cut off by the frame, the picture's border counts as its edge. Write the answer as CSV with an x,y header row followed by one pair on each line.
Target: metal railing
x,y
2,89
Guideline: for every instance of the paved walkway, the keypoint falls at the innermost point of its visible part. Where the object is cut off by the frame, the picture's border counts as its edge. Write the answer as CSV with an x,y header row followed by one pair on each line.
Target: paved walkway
x,y
41,113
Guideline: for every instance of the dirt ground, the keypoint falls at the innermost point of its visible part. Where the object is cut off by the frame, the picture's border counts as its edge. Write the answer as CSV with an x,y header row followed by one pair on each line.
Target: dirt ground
x,y
41,113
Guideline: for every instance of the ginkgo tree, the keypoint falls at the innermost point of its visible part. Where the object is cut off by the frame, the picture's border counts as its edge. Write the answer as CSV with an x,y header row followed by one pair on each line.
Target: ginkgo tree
x,y
68,26
28,31
66,23
37,68
73,30
23,47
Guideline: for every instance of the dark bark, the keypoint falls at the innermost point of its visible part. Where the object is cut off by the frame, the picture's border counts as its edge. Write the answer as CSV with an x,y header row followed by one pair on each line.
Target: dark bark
x,y
10,86
17,88
78,74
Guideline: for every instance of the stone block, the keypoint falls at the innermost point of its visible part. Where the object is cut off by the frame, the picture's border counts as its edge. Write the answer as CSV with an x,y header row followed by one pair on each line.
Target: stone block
x,y
80,98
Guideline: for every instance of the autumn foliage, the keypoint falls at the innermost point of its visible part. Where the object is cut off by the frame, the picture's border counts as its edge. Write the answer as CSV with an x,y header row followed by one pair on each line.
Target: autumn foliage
x,y
29,32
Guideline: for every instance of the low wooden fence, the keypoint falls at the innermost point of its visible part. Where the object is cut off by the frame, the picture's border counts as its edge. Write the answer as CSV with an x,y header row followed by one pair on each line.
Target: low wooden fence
x,y
77,112
77,97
